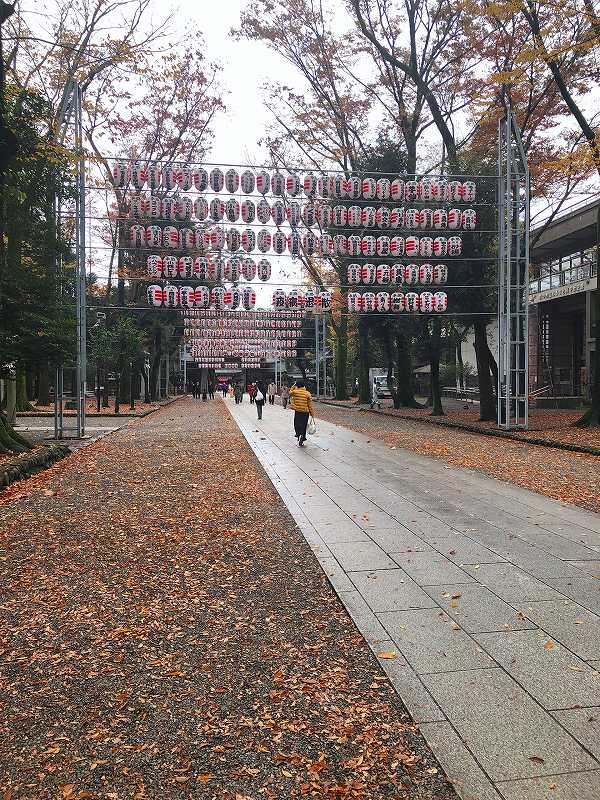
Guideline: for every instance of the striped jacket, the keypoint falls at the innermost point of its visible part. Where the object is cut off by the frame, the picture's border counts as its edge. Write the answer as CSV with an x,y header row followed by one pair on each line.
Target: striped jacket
x,y
301,400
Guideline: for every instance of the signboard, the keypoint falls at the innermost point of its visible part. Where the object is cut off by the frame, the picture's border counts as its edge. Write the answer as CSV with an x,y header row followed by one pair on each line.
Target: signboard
x,y
563,291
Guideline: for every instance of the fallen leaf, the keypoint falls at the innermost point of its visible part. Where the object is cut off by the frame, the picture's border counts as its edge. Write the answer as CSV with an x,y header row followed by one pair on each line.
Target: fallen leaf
x,y
388,655
456,595
549,645
537,759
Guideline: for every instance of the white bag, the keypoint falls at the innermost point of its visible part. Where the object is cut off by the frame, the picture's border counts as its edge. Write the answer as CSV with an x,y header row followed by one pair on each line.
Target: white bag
x,y
311,428
259,397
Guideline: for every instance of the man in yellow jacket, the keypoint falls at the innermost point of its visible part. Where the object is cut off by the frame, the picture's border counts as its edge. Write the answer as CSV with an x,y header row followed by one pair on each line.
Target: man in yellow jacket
x,y
301,402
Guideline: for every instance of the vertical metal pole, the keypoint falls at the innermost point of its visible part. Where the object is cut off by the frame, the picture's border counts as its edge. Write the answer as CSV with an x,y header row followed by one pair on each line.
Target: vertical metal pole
x,y
80,288
184,369
167,367
324,352
56,403
317,365
61,396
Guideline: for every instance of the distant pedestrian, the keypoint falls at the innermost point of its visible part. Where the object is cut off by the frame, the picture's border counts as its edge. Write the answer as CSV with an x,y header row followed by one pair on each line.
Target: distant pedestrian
x,y
272,391
224,388
303,408
195,390
238,393
211,390
252,389
285,395
259,399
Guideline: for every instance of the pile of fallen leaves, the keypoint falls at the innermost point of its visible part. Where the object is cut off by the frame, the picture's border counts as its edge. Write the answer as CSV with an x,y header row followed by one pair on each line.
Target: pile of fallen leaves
x,y
165,632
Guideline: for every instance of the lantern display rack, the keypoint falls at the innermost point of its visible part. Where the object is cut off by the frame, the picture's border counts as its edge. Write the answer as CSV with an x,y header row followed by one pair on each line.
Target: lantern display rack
x,y
398,302
219,298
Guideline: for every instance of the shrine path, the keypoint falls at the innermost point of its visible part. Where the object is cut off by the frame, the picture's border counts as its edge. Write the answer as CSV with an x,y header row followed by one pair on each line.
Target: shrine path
x,y
488,594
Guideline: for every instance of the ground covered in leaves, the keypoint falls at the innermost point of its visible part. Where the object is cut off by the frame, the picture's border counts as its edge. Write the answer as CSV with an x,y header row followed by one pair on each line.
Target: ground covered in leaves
x,y
569,477
165,632
91,407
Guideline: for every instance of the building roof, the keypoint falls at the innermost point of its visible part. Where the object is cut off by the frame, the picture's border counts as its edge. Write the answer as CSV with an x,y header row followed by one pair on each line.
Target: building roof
x,y
568,233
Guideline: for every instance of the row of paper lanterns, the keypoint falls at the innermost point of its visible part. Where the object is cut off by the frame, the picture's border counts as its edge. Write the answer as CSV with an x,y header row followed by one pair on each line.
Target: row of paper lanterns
x,y
235,334
217,210
426,302
186,239
208,269
222,298
280,326
256,318
397,274
227,345
335,185
297,299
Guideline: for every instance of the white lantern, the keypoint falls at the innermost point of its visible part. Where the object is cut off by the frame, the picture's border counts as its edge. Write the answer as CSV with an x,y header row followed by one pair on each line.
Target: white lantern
x,y
185,267
154,176
411,274
369,302
248,240
248,211
229,298
454,218
247,181
309,300
368,273
426,302
309,243
293,214
454,246
309,215
155,266
217,238
263,240
326,245
383,246
325,298
217,297
217,209
187,239
183,208
383,189
154,236
232,181
368,246
154,295
397,246
278,212
248,269
232,209
171,296
168,208
354,245
382,274
454,190
382,301
440,218
170,266
440,273
397,302
354,186
367,216
340,216
216,179
324,215
424,218
354,302
170,176
382,217
234,240
263,211
440,246
279,298
201,208
278,184
410,218
411,246
468,191
410,190
411,301
120,173
354,273
201,239
294,242
426,246
340,244
216,268
369,188
263,269
397,273
232,269
425,274
200,178
136,207
248,298
184,179
137,235
292,185
354,216
155,208
293,299
279,242
310,184
187,297
397,218
397,189
469,219
201,268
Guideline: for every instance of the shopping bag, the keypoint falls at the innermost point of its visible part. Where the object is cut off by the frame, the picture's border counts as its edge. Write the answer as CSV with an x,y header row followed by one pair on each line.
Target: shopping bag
x,y
311,428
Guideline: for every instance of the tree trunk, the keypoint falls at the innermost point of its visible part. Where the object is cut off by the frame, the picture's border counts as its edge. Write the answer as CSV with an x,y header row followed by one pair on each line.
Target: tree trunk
x,y
364,390
341,359
146,386
22,403
11,401
487,404
105,396
44,385
405,393
461,383
10,440
132,376
436,392
118,393
98,385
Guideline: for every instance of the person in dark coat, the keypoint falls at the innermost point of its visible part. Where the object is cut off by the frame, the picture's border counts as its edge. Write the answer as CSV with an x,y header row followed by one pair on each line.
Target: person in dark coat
x,y
259,398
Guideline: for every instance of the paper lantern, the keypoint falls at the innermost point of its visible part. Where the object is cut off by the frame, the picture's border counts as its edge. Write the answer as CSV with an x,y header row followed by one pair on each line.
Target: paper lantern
x,y
367,216
201,208
292,212
369,188
322,186
368,246
424,218
309,215
468,191
340,244
248,211
426,246
382,302
411,301
234,240
184,179
170,176
356,187
200,178
454,246
425,274
397,189
278,212
187,297
354,273
201,268
293,300
326,244
354,216
354,302
368,273
440,218
137,235
154,236
345,187
232,269
397,246
383,246
263,270
292,184
383,191
155,208
228,299
170,266
309,243
247,181
440,246
411,246
397,302
217,238
139,205
309,300
232,209
232,181
426,302
185,267
310,184
438,188
217,209
216,179
248,298
382,217
454,218
278,299
278,183
216,268
382,274
279,242
248,240
410,218
154,296
263,240
325,298
397,273
294,242
354,245
155,266
411,274
454,191
324,215
154,176
201,239
216,297
440,273
369,302
340,216
263,211
397,218
248,269
168,208
120,173
469,219
171,296
183,208
328,187
410,190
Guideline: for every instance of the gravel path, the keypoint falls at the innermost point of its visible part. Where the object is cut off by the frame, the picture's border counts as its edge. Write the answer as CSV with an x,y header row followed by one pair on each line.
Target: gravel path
x,y
166,632
569,477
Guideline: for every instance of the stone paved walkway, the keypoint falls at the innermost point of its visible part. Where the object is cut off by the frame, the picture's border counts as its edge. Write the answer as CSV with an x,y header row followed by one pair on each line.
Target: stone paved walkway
x,y
488,593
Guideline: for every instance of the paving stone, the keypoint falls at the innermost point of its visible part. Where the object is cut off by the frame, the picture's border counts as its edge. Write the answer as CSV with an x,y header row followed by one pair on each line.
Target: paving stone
x,y
584,590
429,569
358,556
534,560
414,695
342,530
459,765
512,736
372,519
513,584
556,545
550,673
595,665
462,550
569,623
362,616
339,580
576,786
427,527
584,725
430,643
390,590
398,540
477,610
591,567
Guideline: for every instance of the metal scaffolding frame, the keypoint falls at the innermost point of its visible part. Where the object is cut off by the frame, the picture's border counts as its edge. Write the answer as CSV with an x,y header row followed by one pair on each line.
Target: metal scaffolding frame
x,y
513,277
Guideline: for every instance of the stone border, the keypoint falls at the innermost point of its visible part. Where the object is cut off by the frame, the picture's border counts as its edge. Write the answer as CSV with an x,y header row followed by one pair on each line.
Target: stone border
x,y
92,414
464,426
28,464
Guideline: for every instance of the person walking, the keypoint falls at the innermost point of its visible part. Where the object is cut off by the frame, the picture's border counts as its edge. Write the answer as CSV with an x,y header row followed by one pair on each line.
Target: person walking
x,y
224,388
272,391
259,398
238,393
252,389
285,395
303,408
211,390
